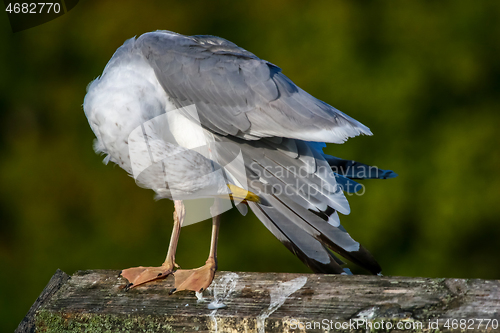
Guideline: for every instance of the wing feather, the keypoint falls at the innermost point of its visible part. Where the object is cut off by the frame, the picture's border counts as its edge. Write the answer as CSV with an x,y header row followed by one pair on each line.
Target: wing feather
x,y
237,93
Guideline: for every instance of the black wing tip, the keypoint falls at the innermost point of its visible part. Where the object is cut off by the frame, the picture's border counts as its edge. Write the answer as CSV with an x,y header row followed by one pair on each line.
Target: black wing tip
x,y
363,258
369,263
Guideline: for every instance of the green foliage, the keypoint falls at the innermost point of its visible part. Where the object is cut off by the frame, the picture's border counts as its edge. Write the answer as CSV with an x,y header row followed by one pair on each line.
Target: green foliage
x,y
424,76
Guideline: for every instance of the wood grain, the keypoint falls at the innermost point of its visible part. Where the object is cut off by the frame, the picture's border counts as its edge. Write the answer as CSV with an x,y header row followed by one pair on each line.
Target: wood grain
x,y
270,302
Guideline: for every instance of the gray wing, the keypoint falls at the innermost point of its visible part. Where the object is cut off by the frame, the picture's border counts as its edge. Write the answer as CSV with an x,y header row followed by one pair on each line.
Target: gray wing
x,y
237,93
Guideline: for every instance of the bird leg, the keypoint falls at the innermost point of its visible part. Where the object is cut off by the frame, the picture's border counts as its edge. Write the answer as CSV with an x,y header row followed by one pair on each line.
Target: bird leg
x,y
200,278
140,275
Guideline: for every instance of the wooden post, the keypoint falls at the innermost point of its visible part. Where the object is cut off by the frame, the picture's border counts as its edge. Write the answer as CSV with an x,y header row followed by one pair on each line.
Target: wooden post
x,y
95,301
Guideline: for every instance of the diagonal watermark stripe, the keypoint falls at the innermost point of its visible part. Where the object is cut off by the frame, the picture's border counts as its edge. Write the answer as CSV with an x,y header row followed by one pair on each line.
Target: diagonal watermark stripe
x,y
185,167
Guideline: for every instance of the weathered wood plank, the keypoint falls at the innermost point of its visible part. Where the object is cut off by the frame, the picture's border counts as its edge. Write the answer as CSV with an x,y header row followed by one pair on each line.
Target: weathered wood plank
x,y
272,302
57,280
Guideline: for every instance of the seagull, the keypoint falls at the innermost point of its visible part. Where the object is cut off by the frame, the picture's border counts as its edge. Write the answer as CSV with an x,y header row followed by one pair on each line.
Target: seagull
x,y
197,117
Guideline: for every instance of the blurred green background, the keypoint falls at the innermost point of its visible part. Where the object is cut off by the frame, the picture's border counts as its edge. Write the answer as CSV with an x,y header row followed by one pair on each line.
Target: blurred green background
x,y
423,75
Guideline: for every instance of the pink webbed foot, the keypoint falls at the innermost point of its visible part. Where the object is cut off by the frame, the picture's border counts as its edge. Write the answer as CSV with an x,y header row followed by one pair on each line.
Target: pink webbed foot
x,y
140,275
195,279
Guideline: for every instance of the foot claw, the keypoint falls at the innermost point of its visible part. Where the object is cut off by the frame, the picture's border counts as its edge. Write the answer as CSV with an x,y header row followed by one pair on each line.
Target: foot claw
x,y
172,291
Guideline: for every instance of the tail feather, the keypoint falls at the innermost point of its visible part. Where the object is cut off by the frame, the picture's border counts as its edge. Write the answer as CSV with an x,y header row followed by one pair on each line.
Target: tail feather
x,y
310,251
284,210
304,218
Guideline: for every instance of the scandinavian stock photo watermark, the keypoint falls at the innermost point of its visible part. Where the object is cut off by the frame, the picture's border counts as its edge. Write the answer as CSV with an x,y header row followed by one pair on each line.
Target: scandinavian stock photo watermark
x,y
386,325
324,179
